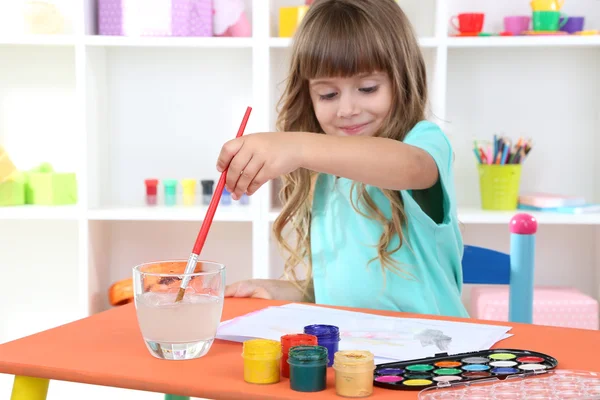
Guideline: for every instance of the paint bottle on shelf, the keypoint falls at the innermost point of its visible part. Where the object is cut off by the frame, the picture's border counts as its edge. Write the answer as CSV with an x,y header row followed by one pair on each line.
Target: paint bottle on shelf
x,y
226,197
245,200
207,191
151,191
327,336
189,191
170,192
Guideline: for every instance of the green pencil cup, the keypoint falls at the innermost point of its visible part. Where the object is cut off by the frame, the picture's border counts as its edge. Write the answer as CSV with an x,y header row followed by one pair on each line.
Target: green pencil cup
x,y
499,186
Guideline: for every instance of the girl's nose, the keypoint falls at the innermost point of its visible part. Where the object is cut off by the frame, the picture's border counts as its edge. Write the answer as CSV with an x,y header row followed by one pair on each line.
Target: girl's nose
x,y
347,107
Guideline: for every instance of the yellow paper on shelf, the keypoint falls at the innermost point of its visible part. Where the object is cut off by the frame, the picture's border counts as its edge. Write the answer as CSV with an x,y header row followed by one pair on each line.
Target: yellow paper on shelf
x,y
7,168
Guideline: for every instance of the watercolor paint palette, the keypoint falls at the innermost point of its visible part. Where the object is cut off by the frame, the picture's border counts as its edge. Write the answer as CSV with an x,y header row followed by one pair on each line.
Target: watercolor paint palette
x,y
552,385
445,370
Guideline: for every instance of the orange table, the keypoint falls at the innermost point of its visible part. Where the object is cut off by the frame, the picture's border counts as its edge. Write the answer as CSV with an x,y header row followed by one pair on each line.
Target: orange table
x,y
107,349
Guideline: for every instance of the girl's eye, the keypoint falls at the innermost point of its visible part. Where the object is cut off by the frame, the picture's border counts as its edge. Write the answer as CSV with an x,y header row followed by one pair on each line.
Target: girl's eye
x,y
371,89
328,96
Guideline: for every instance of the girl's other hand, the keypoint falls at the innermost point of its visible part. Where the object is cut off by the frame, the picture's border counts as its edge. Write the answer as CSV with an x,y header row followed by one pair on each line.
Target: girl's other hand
x,y
250,288
255,159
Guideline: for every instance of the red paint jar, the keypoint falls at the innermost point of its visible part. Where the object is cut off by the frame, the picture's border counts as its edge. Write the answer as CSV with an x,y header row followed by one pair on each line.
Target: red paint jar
x,y
151,191
288,341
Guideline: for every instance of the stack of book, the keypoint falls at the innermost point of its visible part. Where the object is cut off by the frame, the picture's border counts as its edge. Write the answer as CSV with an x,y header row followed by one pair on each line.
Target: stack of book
x,y
556,203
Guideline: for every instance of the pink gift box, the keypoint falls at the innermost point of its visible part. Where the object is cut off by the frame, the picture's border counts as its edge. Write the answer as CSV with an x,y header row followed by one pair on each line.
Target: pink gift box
x,y
552,306
155,17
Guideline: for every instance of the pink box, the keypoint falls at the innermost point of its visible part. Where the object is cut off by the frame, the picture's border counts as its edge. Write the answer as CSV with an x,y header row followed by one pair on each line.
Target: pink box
x,y
155,17
552,306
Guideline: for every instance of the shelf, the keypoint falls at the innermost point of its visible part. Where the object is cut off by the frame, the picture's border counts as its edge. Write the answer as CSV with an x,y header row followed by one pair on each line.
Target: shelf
x,y
32,212
524,41
475,216
37,40
200,42
277,42
233,213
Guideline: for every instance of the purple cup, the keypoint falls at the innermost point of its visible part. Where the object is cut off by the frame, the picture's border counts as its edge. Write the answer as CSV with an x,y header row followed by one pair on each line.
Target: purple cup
x,y
517,24
574,24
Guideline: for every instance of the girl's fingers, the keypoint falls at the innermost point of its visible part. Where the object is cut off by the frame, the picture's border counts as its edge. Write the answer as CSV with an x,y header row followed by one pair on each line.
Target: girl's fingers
x,y
236,167
228,152
260,179
247,176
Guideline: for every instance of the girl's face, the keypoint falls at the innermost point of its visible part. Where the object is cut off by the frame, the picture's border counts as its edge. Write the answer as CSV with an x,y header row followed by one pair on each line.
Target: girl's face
x,y
351,106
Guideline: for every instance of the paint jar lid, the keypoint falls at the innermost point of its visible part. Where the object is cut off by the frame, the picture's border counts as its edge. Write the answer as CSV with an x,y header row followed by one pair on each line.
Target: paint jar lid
x,y
207,186
323,331
189,186
151,185
354,361
298,339
261,349
170,186
307,355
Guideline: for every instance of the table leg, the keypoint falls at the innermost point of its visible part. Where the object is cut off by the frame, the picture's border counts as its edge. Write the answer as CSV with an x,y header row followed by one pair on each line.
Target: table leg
x,y
28,388
175,397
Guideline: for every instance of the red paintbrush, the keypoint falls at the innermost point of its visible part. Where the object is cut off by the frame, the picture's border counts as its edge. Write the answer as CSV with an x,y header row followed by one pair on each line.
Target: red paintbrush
x,y
210,213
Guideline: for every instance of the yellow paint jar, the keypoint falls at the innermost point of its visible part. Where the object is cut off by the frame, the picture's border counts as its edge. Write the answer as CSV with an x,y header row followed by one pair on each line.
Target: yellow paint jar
x,y
189,191
262,361
354,373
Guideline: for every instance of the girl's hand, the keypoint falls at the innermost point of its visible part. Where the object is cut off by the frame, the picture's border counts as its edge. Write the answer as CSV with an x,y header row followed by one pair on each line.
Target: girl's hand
x,y
255,159
250,288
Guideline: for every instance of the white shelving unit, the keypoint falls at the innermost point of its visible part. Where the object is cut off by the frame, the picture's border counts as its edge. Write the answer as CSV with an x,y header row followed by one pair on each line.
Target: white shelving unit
x,y
118,110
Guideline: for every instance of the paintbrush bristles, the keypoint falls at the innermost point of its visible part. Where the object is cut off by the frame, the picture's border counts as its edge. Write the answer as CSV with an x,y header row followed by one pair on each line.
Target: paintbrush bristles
x,y
180,295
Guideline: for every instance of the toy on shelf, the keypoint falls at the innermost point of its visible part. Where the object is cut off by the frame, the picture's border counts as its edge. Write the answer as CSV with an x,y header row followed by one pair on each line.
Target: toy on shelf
x,y
546,18
468,24
42,17
44,186
12,190
156,18
230,19
499,167
290,19
7,167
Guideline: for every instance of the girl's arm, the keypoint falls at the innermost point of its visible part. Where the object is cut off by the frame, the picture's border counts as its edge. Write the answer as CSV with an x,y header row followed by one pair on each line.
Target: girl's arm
x,y
274,289
380,162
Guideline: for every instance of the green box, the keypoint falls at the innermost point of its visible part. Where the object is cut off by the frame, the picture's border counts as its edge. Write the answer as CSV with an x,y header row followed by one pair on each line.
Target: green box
x,y
12,190
46,187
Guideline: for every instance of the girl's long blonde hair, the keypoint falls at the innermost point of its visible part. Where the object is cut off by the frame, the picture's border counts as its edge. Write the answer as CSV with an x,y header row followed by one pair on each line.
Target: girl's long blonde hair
x,y
342,38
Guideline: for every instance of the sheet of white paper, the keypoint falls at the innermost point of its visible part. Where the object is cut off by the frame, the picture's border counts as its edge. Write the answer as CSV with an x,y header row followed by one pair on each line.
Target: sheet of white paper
x,y
388,338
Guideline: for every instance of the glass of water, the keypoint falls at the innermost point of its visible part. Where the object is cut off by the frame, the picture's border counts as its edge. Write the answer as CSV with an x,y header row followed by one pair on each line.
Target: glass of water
x,y
181,330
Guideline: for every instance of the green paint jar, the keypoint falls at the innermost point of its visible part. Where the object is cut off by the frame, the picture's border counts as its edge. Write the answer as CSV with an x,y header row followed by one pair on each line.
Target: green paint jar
x,y
308,368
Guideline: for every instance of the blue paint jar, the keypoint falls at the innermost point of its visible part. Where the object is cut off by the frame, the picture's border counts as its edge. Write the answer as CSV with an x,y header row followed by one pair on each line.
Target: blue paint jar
x,y
327,336
226,197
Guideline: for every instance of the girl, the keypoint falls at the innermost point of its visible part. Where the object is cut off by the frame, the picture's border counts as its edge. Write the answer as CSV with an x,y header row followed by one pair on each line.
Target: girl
x,y
377,227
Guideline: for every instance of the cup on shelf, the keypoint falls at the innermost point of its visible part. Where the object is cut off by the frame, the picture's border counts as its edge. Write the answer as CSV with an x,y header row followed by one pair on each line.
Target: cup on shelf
x,y
181,330
572,25
546,5
468,23
499,186
548,21
517,24
151,191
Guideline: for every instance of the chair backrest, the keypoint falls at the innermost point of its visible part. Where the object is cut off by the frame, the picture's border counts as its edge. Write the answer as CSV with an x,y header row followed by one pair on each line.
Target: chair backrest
x,y
486,266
